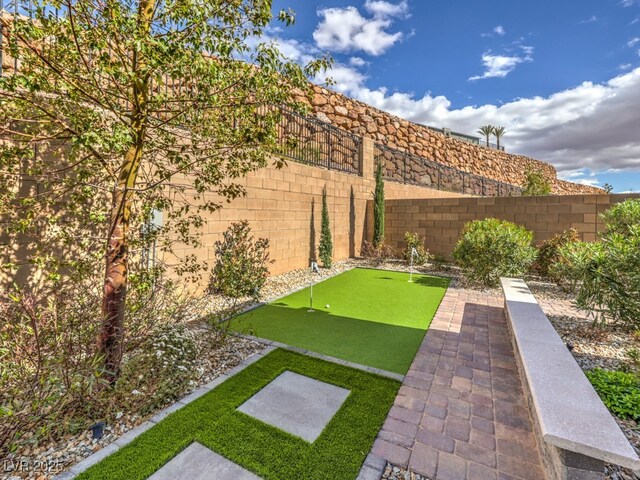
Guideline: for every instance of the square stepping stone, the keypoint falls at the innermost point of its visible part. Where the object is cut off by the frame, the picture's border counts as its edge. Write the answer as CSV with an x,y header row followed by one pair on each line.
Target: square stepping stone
x,y
197,462
296,404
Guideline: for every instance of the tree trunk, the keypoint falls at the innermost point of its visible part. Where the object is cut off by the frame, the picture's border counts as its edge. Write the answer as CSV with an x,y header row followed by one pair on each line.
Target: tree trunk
x,y
114,293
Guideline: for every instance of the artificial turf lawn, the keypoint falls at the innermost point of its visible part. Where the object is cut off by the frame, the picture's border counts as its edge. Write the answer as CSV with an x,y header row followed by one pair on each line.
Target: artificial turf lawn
x,y
376,317
268,452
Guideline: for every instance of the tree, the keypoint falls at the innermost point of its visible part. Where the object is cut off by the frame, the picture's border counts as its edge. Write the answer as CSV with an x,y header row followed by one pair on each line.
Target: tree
x,y
325,248
607,187
537,184
498,132
487,131
123,108
378,208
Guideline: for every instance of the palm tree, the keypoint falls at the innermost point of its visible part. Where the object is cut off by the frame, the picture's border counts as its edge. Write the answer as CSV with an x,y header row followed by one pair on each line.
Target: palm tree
x,y
498,132
487,131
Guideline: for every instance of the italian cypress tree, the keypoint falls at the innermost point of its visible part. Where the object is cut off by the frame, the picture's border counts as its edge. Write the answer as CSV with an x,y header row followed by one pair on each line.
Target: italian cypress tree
x,y
325,249
378,208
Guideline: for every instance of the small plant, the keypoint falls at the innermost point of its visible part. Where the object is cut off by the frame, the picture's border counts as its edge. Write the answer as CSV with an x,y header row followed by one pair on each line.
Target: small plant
x,y
608,188
377,255
537,184
619,391
549,251
414,240
491,248
378,208
325,249
622,217
240,268
160,371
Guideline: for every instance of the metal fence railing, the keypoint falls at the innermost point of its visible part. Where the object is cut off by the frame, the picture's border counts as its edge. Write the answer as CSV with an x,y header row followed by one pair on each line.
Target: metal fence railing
x,y
311,141
404,167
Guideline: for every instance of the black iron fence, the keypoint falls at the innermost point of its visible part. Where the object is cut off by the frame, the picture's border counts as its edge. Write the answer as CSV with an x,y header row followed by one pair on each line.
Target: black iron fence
x,y
399,166
311,141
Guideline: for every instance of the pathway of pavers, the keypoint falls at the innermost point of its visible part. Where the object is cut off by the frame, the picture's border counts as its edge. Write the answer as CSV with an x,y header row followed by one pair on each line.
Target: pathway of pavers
x,y
461,412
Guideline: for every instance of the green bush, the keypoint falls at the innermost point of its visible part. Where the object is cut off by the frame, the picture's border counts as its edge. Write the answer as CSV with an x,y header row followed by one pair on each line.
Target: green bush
x,y
610,280
414,240
572,262
622,217
619,391
537,184
490,249
240,268
378,208
549,251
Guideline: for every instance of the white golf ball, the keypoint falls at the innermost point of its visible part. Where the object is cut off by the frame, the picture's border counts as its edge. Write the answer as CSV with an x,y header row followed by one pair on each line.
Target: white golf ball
x,y
326,306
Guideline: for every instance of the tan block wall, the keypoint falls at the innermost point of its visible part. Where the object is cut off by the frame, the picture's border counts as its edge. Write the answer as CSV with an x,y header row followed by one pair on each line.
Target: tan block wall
x,y
441,220
285,206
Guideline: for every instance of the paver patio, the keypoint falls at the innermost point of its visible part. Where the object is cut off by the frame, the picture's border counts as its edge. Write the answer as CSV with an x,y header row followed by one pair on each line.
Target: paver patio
x,y
461,412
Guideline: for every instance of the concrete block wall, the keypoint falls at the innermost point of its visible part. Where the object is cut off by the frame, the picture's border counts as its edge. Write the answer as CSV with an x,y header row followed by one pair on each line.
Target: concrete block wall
x,y
285,206
441,220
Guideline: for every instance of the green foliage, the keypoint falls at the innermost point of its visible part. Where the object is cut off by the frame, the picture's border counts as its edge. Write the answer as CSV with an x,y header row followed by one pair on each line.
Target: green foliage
x,y
325,248
490,249
498,132
572,262
240,268
537,184
607,187
487,131
144,107
619,391
622,217
610,285
549,251
414,240
160,371
378,208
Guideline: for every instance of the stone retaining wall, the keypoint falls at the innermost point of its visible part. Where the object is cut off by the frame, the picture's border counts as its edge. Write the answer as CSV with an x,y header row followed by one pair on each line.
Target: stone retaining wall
x,y
395,132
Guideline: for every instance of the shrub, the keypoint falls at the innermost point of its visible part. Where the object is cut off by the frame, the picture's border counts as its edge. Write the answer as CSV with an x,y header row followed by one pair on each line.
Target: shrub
x,y
572,262
619,391
161,370
325,248
378,208
377,255
622,217
537,184
549,251
610,278
490,249
413,240
240,268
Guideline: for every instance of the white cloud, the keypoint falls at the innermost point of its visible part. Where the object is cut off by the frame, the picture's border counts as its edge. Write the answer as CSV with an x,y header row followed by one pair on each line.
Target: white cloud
x,y
581,176
499,30
382,9
624,66
345,29
633,42
497,66
590,126
591,19
357,62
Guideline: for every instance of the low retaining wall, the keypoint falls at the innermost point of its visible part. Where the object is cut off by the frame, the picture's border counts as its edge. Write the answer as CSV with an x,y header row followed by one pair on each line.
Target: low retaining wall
x,y
576,432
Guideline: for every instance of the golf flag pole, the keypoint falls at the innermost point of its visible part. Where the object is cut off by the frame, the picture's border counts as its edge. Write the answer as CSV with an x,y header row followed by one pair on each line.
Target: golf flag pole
x,y
413,252
314,269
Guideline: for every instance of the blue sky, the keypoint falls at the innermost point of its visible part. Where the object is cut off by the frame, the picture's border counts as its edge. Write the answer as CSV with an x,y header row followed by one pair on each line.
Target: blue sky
x,y
562,77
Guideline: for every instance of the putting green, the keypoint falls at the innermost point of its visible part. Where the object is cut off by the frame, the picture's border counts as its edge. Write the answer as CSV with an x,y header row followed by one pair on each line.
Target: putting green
x,y
374,317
